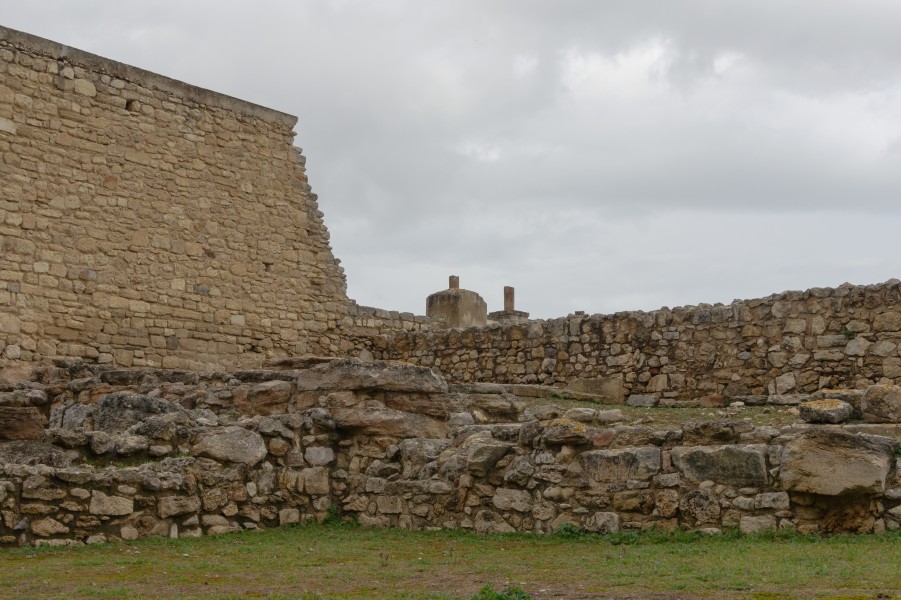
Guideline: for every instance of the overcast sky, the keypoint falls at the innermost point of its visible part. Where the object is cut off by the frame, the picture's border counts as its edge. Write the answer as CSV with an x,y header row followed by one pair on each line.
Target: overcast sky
x,y
598,156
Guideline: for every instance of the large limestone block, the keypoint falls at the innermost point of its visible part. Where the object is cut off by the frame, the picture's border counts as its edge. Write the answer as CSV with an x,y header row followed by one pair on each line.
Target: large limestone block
x,y
21,423
729,465
354,374
386,421
608,466
882,404
833,463
232,444
610,388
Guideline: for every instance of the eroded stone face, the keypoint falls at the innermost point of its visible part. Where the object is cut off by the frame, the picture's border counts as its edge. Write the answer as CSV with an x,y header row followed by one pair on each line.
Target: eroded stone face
x,y
101,504
834,463
882,404
730,465
232,444
605,466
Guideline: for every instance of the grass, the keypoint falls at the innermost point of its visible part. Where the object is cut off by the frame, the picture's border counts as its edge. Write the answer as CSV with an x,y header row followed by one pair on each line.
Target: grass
x,y
343,561
774,416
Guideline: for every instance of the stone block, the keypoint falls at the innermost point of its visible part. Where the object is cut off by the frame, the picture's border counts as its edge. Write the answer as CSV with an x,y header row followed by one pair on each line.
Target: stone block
x,y
734,465
101,504
833,463
607,466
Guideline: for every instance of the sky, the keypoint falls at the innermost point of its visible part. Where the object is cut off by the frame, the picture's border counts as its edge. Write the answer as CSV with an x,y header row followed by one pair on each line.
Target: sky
x,y
596,155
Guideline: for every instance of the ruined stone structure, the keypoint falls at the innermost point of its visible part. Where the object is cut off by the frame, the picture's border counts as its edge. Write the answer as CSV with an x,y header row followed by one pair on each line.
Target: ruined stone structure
x,y
457,307
395,445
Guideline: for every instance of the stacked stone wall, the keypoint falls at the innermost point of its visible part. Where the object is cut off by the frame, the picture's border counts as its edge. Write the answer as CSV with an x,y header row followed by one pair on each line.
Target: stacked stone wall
x,y
147,222
394,446
789,343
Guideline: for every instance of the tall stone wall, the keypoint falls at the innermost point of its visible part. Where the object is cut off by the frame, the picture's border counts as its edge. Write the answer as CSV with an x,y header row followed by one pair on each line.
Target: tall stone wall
x,y
148,222
793,342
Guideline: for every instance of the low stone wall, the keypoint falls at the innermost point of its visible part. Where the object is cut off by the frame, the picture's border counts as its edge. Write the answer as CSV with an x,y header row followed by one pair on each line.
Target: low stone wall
x,y
793,342
393,445
361,325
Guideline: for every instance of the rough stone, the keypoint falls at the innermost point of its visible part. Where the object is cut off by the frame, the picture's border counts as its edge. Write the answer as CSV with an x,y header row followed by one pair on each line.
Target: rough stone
x,y
730,465
827,410
882,404
604,466
833,463
354,374
21,423
232,444
101,504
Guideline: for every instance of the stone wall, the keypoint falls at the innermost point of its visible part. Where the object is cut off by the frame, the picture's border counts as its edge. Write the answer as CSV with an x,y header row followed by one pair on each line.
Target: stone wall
x,y
144,221
362,325
793,342
394,445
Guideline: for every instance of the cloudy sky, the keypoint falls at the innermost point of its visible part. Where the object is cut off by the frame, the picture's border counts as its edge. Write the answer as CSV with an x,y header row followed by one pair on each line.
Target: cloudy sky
x,y
597,155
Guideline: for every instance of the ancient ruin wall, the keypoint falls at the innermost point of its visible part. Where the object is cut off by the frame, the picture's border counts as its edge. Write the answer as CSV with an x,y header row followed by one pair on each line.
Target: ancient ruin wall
x,y
144,221
794,342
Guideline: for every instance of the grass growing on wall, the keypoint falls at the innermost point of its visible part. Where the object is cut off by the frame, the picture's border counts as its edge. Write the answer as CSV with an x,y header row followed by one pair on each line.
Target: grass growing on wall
x,y
341,561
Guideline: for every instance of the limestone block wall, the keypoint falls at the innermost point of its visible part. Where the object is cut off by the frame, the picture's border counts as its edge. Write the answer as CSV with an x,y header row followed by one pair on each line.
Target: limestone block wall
x,y
148,222
793,342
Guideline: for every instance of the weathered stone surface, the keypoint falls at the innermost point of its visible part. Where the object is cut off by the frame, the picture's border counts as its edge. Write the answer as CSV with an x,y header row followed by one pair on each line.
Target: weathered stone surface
x,y
354,374
730,465
116,412
602,523
882,404
101,504
232,444
21,423
47,527
567,431
751,524
604,466
832,463
315,480
170,506
319,456
266,398
701,506
387,421
488,521
416,453
709,433
483,454
26,452
828,410
510,499
643,400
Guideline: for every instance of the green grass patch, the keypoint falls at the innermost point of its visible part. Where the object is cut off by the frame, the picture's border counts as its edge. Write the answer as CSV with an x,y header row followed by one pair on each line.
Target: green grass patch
x,y
345,560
